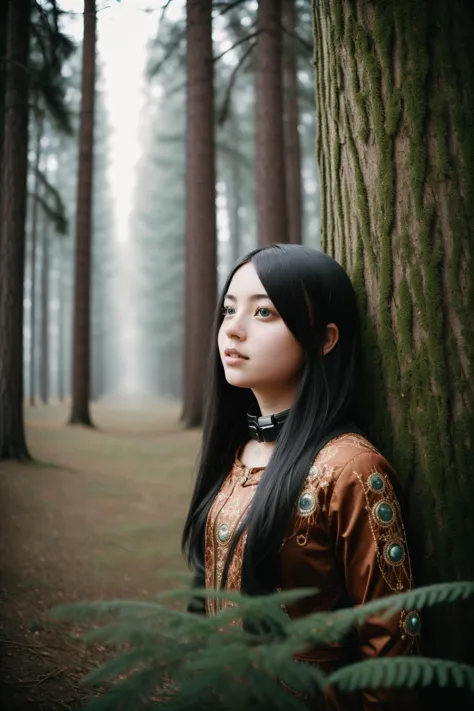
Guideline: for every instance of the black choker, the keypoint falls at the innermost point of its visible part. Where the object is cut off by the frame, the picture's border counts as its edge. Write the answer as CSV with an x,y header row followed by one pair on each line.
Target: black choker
x,y
266,428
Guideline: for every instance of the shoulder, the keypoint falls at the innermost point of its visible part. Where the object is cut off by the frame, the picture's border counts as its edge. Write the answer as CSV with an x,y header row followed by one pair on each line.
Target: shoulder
x,y
352,459
346,460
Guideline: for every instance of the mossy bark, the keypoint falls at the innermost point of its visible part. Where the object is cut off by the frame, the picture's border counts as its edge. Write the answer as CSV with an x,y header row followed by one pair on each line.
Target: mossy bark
x,y
395,96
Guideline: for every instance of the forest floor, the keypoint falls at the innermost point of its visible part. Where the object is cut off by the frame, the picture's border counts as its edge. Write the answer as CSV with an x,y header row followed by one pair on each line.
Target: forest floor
x,y
97,516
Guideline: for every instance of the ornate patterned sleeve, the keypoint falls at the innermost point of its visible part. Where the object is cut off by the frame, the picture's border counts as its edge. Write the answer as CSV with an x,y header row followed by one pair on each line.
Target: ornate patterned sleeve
x,y
366,523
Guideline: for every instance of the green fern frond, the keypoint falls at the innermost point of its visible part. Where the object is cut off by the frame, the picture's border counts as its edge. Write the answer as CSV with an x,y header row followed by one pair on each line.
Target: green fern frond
x,y
119,665
135,693
419,598
402,671
245,602
305,677
325,628
96,610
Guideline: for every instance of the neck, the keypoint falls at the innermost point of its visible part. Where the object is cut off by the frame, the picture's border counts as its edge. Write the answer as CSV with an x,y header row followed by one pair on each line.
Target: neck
x,y
272,403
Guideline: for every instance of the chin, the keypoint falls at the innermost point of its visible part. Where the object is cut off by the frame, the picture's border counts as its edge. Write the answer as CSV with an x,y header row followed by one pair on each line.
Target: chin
x,y
238,380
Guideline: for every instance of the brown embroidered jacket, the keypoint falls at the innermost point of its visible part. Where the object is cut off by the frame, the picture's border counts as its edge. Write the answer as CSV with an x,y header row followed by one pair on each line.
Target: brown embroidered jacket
x,y
347,539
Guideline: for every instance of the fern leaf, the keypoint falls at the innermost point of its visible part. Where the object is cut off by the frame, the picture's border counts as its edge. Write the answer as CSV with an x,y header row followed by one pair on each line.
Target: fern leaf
x,y
402,671
133,692
419,598
119,665
427,596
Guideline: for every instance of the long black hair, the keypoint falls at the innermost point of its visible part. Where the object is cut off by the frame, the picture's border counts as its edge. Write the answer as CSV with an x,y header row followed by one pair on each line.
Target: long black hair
x,y
310,290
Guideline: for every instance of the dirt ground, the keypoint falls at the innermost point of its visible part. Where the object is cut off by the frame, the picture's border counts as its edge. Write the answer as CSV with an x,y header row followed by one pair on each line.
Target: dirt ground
x,y
97,516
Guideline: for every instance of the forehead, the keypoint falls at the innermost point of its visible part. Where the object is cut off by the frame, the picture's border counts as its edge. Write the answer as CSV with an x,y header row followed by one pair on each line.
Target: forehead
x,y
245,282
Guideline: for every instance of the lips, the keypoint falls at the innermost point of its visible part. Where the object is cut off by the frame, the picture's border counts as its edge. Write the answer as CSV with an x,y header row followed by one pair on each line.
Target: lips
x,y
233,353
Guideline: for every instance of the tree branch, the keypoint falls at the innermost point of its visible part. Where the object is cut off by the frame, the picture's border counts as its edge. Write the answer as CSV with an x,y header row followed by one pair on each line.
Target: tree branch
x,y
294,34
236,44
153,71
226,7
163,10
222,116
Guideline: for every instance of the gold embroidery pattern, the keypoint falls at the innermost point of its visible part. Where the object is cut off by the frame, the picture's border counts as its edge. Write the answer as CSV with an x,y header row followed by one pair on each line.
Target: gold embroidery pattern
x,y
227,511
388,533
320,476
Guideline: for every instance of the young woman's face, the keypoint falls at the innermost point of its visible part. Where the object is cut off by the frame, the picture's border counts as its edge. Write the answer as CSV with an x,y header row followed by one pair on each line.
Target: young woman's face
x,y
257,349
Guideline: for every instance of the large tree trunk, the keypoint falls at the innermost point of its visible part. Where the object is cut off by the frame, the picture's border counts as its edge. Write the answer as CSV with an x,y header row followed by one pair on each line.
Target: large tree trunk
x,y
34,203
12,232
81,349
201,285
45,275
395,91
290,122
272,221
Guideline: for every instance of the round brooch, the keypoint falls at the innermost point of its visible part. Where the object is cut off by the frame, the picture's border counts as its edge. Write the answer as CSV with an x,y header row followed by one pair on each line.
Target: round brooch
x,y
394,553
412,623
223,533
376,482
383,512
306,503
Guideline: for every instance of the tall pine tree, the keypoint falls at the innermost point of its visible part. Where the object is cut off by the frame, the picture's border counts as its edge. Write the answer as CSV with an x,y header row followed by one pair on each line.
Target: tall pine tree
x,y
395,95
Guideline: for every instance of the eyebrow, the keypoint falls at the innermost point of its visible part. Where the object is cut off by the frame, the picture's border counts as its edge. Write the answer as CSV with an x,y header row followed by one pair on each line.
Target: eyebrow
x,y
254,297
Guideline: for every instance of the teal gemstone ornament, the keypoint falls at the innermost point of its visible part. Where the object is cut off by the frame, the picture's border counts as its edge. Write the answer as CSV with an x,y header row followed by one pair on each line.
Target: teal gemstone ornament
x,y
394,553
306,503
376,482
412,623
223,533
383,512
313,473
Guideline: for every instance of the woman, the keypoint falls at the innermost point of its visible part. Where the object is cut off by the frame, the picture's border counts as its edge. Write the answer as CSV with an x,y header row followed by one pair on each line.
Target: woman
x,y
289,493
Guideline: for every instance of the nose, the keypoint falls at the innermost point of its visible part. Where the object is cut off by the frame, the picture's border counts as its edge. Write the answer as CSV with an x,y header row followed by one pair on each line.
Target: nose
x,y
235,329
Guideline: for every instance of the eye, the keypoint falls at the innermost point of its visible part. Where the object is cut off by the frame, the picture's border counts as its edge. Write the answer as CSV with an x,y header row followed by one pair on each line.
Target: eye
x,y
264,312
228,310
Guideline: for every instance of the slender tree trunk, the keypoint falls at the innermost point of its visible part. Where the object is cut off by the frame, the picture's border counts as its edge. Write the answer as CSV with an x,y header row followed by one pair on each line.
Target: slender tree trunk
x,y
33,267
272,220
81,349
395,94
61,317
44,353
292,136
234,198
12,232
201,284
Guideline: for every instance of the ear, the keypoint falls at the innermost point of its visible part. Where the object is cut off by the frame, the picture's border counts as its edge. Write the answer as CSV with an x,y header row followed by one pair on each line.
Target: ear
x,y
331,338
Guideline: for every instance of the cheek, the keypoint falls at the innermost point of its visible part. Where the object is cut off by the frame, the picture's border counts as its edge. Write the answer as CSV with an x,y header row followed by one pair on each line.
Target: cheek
x,y
221,338
283,351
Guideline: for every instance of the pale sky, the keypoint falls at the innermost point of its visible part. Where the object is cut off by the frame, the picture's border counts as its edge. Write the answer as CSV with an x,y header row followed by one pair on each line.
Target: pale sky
x,y
123,30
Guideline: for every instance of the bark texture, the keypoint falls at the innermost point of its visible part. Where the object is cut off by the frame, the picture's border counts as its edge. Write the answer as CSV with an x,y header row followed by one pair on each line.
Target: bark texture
x,y
45,276
395,94
82,297
291,121
272,220
234,190
61,315
201,285
12,232
3,52
34,203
